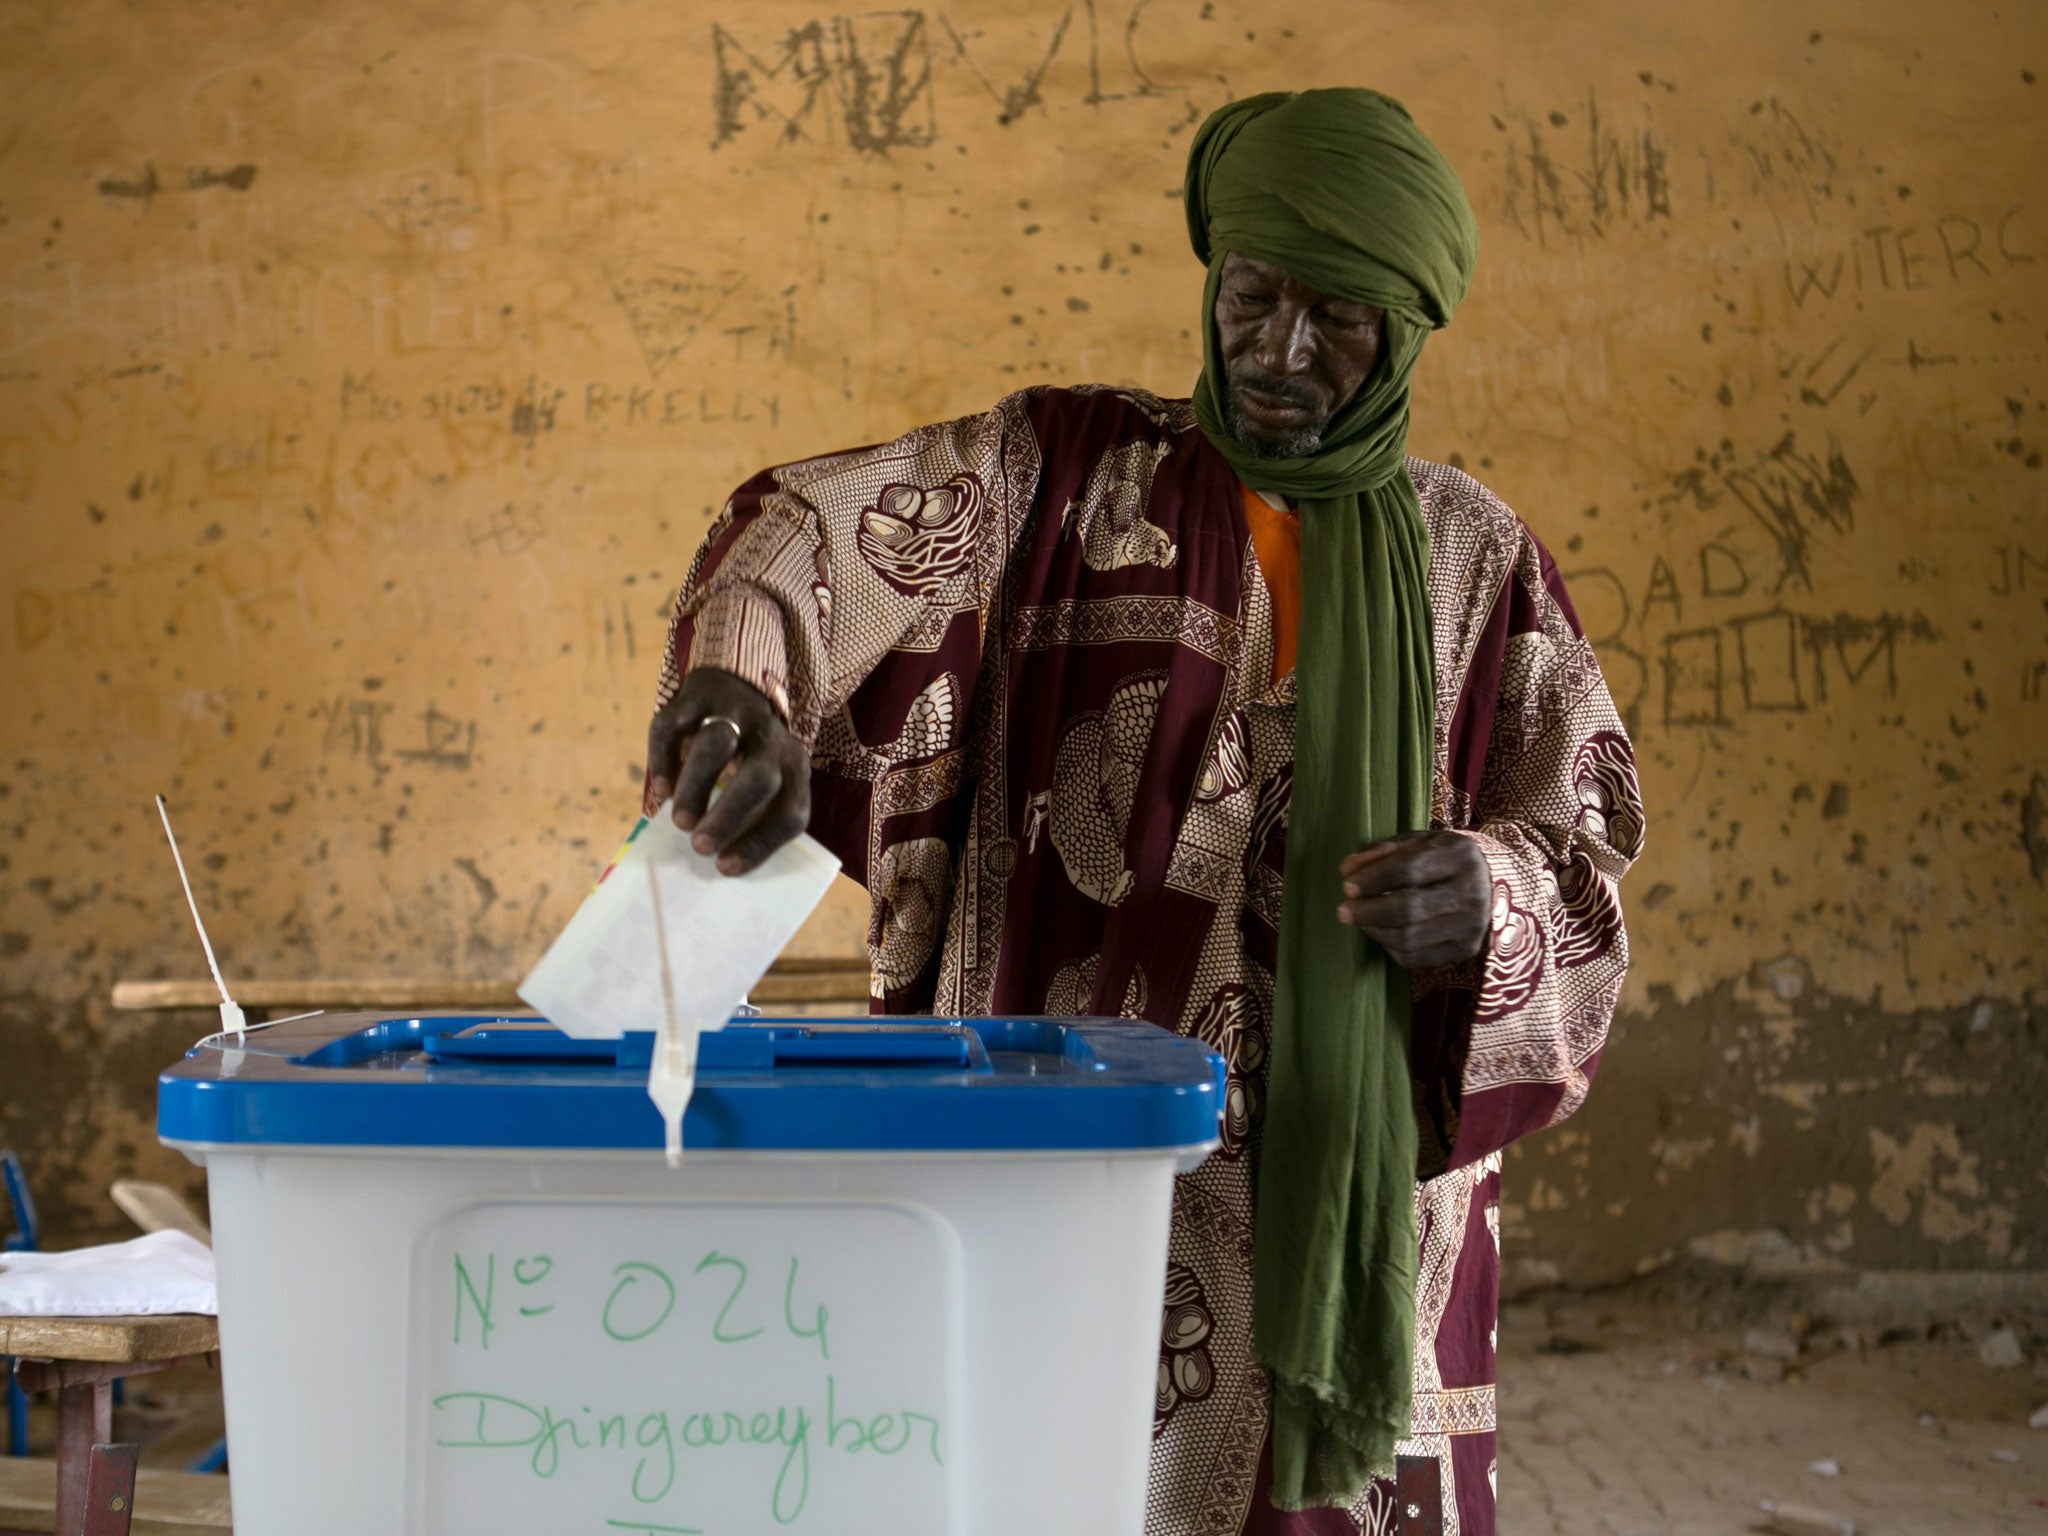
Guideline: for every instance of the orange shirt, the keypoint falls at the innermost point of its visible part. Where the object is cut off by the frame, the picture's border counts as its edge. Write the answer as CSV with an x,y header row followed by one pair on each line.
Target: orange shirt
x,y
1276,539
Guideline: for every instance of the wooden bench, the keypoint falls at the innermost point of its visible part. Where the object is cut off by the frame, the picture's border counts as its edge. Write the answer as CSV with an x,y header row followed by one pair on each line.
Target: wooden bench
x,y
80,1359
790,980
166,1503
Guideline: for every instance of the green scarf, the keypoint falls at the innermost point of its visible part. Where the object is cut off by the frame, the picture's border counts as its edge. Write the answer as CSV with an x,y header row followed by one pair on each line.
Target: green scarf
x,y
1340,188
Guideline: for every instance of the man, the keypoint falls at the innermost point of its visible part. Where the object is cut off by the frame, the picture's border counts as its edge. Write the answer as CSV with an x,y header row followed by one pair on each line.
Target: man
x,y
1226,715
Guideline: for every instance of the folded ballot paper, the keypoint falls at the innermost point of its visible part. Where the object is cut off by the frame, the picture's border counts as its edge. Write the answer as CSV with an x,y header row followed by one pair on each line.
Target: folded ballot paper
x,y
661,905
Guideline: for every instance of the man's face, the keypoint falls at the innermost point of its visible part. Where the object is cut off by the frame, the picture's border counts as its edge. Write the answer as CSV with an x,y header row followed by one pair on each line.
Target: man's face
x,y
1292,357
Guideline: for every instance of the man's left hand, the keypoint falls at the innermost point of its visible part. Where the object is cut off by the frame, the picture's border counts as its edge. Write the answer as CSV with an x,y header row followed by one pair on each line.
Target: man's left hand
x,y
1424,897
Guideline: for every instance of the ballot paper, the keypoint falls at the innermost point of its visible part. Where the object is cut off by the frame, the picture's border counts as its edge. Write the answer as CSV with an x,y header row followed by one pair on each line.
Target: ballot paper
x,y
668,945
672,947
601,977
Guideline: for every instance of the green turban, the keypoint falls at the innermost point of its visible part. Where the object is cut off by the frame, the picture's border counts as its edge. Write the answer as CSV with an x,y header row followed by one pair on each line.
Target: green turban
x,y
1341,189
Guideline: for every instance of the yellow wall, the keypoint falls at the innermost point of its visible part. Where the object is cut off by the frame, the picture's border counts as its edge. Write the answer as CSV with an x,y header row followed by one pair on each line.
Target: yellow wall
x,y
365,382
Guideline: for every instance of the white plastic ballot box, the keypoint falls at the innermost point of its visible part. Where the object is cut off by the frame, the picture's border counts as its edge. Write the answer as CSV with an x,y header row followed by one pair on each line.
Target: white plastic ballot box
x,y
906,1282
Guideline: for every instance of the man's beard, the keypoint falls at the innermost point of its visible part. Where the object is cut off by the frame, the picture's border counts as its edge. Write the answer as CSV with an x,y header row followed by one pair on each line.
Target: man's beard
x,y
1297,444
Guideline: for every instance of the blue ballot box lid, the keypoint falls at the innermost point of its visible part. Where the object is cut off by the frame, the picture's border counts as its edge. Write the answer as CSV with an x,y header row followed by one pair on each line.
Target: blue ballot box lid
x,y
866,1084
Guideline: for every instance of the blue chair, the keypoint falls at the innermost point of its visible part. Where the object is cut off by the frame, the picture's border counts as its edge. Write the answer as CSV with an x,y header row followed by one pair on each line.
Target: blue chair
x,y
25,1238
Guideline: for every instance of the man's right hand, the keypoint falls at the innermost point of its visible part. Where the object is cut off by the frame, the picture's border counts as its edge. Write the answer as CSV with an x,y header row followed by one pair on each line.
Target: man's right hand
x,y
714,719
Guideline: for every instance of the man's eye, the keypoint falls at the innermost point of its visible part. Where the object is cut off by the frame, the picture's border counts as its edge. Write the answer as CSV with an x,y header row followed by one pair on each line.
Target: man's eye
x,y
1248,296
1347,322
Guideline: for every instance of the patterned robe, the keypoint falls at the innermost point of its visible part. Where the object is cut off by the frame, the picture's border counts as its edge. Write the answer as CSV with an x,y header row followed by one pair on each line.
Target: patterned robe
x,y
1032,654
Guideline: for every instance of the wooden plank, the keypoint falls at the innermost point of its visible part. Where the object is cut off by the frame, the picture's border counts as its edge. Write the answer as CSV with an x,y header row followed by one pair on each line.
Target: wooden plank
x,y
319,993
114,1340
157,1208
806,979
167,1503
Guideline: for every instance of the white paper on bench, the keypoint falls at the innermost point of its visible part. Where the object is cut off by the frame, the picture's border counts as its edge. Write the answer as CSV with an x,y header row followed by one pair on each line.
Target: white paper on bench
x,y
160,1273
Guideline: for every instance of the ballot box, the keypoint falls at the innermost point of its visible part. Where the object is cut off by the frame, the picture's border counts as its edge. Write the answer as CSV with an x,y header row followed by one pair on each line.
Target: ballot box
x,y
906,1280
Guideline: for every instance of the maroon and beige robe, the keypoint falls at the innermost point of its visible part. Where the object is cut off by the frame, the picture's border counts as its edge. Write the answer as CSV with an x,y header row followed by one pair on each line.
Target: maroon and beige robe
x,y
1032,653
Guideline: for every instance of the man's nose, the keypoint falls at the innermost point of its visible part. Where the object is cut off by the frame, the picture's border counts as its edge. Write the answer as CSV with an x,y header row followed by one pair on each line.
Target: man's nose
x,y
1286,344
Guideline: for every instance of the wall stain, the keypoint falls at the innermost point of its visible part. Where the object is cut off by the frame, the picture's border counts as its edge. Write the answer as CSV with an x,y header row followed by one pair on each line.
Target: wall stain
x,y
78,1102
1852,1133
143,187
2034,826
238,177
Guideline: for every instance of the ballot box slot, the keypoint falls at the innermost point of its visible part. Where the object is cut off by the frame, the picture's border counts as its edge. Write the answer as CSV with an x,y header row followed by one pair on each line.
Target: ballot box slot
x,y
754,1046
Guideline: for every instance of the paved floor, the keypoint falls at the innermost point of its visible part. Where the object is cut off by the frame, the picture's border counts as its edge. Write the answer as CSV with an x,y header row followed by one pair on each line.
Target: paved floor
x,y
1670,1426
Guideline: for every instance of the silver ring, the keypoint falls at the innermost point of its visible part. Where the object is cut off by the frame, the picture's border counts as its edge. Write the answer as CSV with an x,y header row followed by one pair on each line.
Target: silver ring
x,y
725,720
